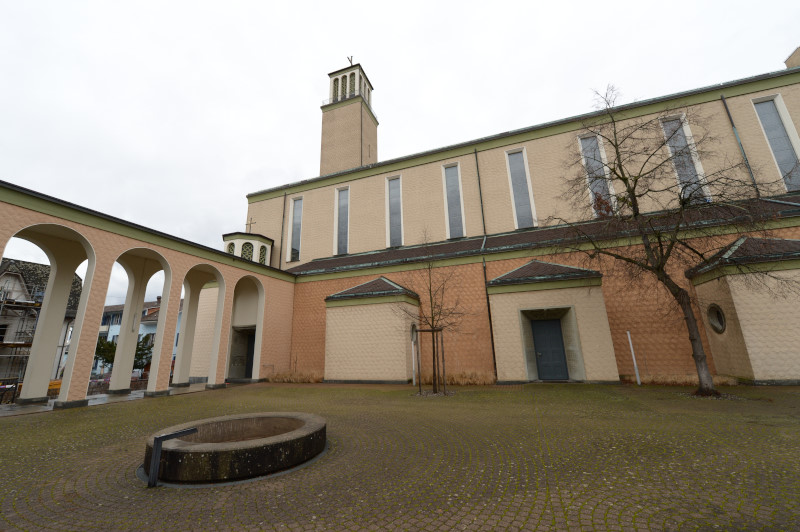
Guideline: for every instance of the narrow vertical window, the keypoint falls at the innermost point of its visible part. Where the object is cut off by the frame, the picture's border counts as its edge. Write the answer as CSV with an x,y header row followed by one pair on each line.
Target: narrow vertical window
x,y
683,160
452,188
519,189
297,217
352,83
780,143
231,248
262,255
395,213
342,216
247,251
335,89
596,175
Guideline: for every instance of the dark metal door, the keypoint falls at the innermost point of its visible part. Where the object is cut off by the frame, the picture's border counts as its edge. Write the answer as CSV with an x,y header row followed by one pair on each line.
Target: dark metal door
x,y
251,347
551,361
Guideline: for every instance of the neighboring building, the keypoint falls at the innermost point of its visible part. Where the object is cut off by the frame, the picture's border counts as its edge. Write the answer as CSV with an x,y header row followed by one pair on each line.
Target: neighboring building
x,y
148,324
22,288
482,208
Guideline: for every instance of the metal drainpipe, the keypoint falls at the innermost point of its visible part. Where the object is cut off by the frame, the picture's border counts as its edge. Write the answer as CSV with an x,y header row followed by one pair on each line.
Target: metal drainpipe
x,y
489,311
480,196
741,147
283,223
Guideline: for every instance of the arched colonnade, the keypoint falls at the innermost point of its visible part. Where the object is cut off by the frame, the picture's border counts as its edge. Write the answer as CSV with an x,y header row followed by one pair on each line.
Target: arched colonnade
x,y
247,295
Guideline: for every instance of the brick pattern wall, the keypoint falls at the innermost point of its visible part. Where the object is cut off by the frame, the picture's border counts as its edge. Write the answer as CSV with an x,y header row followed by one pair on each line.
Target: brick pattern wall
x,y
369,342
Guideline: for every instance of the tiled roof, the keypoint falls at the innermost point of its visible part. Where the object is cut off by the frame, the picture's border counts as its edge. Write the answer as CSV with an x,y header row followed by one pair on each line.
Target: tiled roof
x,y
36,277
376,288
704,217
750,250
536,271
119,308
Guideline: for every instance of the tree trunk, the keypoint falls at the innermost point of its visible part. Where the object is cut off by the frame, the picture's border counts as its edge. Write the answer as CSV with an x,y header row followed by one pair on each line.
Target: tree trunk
x,y
698,352
433,363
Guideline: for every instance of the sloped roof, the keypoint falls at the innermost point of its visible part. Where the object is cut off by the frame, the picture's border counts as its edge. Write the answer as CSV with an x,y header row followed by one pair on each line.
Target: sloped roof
x,y
537,271
36,276
750,250
701,217
376,288
119,308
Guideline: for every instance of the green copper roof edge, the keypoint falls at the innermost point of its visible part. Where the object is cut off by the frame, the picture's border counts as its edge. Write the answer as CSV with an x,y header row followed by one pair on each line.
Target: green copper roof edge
x,y
743,269
692,97
547,285
371,301
35,201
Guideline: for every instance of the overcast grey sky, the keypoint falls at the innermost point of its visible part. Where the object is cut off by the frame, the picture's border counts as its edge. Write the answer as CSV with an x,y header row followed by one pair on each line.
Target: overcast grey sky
x,y
168,113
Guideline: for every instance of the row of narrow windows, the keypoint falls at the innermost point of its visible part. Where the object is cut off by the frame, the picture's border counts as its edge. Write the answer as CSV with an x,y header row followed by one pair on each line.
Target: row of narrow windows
x,y
691,184
247,252
349,87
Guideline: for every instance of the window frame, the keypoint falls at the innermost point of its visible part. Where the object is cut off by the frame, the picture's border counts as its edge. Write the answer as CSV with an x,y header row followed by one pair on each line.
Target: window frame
x,y
698,166
336,219
456,165
388,213
791,130
534,218
601,147
290,232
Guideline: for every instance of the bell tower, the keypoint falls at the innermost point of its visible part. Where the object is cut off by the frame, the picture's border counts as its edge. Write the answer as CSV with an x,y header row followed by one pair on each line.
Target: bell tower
x,y
349,126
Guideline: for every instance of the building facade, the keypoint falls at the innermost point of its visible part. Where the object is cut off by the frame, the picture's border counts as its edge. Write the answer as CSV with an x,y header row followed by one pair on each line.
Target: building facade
x,y
494,206
336,284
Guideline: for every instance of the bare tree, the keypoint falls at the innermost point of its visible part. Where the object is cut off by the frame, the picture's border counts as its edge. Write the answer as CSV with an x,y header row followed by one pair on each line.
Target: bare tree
x,y
439,311
659,182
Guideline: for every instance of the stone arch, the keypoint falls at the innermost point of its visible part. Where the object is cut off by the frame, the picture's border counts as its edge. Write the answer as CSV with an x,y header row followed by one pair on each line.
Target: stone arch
x,y
247,321
204,286
66,249
140,264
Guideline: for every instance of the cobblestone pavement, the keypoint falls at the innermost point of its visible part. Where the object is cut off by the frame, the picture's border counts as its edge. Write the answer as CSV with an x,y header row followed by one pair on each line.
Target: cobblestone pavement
x,y
579,457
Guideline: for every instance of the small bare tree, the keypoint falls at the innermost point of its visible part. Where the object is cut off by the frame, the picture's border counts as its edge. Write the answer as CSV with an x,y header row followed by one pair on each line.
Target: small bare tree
x,y
439,311
642,178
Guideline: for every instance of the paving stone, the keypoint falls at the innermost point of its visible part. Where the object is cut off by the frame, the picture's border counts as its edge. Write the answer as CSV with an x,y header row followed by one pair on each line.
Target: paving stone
x,y
572,457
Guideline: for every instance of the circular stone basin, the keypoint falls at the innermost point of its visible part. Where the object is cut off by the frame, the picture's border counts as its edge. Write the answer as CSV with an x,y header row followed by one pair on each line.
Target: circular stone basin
x,y
238,447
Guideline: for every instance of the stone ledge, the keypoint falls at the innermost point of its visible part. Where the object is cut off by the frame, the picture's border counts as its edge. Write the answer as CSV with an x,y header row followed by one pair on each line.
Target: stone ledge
x,y
70,404
31,400
121,391
157,393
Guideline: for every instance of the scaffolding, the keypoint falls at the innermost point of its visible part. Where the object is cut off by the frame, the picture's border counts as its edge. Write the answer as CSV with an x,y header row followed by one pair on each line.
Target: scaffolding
x,y
20,306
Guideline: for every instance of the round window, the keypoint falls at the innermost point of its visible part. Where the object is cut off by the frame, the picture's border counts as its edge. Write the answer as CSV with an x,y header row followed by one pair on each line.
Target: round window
x,y
716,318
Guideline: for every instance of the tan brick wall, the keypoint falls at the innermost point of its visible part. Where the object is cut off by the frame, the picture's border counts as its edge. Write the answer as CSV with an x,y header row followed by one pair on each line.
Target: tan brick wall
x,y
268,217
769,315
587,337
728,347
423,197
369,342
345,132
369,138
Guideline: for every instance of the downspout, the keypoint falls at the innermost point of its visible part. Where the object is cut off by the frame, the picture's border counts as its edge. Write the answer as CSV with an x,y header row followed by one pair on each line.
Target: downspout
x,y
283,223
741,147
480,197
488,308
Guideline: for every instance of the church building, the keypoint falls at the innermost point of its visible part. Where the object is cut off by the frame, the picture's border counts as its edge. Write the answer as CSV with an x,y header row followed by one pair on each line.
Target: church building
x,y
490,215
